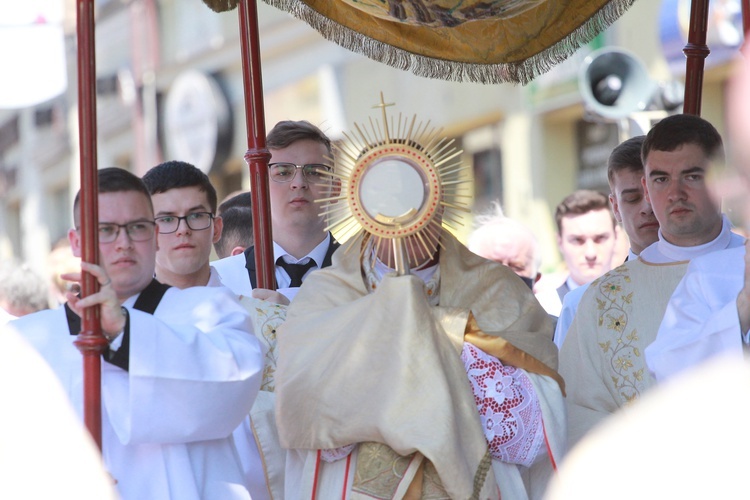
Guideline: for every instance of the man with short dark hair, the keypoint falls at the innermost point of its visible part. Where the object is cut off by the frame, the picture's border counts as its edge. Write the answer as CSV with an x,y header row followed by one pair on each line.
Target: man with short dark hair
x,y
301,157
182,368
185,207
237,232
708,315
586,239
602,358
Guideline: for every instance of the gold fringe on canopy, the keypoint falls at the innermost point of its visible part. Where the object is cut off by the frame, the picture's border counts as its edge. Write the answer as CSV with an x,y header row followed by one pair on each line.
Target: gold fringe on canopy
x,y
221,5
515,45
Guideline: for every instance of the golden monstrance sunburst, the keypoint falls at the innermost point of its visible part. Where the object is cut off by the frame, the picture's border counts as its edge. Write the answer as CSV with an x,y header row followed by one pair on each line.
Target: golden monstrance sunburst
x,y
398,181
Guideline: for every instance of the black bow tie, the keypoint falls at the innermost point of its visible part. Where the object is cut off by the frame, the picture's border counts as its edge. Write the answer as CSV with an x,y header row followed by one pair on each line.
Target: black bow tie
x,y
295,271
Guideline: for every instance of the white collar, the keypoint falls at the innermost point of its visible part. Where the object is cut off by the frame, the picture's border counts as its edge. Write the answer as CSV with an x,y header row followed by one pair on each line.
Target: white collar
x,y
318,254
663,252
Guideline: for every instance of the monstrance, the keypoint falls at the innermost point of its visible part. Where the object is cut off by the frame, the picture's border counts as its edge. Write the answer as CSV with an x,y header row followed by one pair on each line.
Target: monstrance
x,y
398,182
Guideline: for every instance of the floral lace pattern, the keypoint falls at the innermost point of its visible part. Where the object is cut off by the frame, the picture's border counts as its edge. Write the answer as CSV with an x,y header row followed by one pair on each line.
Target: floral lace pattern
x,y
508,407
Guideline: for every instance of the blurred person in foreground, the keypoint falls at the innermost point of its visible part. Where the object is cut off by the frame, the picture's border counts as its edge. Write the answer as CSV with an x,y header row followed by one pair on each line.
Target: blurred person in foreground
x,y
45,452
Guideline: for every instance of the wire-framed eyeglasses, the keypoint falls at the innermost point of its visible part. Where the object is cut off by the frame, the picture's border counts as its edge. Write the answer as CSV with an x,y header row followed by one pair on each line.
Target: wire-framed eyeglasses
x,y
197,221
284,172
140,230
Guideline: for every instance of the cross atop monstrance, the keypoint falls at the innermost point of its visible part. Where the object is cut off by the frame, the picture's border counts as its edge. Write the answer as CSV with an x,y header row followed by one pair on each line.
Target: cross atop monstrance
x,y
382,106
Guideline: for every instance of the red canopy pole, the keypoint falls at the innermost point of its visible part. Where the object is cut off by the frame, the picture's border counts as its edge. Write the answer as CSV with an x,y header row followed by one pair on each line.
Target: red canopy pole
x,y
90,341
696,51
746,18
257,155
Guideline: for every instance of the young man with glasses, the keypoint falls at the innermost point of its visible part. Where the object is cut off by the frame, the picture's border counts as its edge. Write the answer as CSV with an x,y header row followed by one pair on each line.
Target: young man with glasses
x,y
300,153
181,370
185,206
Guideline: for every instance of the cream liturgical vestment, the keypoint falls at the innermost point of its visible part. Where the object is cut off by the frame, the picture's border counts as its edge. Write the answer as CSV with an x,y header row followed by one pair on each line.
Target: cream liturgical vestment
x,y
194,371
602,359
384,367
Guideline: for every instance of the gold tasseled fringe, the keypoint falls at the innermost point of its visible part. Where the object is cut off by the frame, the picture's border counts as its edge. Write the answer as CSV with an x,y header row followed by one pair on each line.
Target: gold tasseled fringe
x,y
221,5
513,72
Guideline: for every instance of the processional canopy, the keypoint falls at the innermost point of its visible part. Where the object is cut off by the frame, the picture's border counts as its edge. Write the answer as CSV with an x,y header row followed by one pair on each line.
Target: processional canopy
x,y
486,41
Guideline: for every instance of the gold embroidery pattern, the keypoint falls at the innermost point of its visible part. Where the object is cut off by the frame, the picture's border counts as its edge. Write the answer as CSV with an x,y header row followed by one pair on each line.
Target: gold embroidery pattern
x,y
380,470
619,342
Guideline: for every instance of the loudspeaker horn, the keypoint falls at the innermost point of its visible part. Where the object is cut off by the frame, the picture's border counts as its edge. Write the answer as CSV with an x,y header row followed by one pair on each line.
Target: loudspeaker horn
x,y
614,83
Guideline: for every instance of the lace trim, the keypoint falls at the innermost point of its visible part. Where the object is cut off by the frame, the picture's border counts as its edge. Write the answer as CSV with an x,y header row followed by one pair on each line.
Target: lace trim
x,y
508,407
335,454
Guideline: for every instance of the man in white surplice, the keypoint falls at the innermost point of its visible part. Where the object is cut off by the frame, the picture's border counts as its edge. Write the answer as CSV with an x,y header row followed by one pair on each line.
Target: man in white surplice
x,y
372,392
602,357
182,368
184,202
709,312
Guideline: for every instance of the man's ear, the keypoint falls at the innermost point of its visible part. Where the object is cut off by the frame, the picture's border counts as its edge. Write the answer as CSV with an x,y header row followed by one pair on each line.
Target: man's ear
x,y
237,251
645,188
218,228
615,208
75,242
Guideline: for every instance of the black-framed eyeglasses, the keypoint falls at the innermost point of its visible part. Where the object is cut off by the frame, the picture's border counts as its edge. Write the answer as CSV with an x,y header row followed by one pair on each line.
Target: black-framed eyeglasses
x,y
285,172
197,221
140,230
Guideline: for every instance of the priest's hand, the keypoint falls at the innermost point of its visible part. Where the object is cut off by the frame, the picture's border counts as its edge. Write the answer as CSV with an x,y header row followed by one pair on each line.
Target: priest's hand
x,y
270,296
743,298
507,353
113,317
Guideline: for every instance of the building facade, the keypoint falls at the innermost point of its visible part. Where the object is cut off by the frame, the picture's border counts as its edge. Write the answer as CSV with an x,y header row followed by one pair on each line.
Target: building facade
x,y
170,87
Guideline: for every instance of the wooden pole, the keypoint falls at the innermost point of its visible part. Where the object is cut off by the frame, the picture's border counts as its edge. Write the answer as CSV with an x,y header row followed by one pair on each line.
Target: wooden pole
x,y
696,52
257,155
90,341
